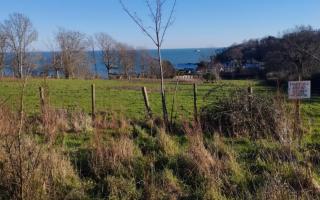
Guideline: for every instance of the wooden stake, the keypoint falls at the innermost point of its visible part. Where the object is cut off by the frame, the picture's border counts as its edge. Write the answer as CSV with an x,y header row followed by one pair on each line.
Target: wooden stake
x,y
174,102
146,101
42,102
250,90
93,101
298,117
195,102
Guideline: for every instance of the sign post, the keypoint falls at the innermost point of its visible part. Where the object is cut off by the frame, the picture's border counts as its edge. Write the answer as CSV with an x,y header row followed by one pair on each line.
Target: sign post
x,y
298,90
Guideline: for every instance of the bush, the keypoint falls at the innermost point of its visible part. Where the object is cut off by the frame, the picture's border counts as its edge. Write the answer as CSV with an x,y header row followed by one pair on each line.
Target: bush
x,y
30,171
256,116
209,77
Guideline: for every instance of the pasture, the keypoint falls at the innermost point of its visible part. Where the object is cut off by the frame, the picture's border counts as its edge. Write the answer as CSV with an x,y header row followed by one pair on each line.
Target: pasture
x,y
125,159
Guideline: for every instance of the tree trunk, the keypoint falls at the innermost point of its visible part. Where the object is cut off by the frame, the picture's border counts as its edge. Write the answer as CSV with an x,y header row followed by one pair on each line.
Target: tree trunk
x,y
108,71
21,75
163,96
20,66
67,74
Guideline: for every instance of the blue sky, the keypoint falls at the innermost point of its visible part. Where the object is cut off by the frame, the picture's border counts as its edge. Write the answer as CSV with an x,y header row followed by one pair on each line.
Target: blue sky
x,y
198,23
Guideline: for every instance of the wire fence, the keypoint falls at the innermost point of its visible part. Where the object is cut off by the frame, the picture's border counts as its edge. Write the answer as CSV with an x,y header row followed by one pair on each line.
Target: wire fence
x,y
126,97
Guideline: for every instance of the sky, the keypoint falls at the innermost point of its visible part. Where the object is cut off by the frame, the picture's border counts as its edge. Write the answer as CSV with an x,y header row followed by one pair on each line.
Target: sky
x,y
197,24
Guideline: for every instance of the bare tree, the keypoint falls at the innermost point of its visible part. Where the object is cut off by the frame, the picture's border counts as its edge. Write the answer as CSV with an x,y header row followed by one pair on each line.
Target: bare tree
x,y
156,32
126,56
107,46
92,45
72,46
149,67
32,61
301,47
168,69
53,61
142,59
20,34
3,50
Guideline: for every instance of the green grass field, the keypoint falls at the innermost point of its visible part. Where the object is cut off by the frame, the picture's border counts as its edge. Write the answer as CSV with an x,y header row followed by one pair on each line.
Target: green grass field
x,y
131,154
122,96
126,97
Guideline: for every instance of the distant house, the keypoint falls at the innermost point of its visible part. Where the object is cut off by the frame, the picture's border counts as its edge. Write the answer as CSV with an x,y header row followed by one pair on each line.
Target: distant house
x,y
233,65
183,66
185,77
207,67
253,64
188,73
186,69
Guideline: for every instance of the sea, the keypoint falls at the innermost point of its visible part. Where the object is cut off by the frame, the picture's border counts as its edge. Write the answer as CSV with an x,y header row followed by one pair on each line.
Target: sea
x,y
180,58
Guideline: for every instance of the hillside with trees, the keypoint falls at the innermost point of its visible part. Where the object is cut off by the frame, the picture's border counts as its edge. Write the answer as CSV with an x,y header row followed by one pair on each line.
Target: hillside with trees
x,y
295,54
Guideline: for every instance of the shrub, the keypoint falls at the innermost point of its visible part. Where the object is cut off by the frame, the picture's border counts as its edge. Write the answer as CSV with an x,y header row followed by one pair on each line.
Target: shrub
x,y
209,77
256,116
30,171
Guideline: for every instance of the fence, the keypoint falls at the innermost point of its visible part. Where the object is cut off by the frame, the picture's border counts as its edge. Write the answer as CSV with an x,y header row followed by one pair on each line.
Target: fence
x,y
136,99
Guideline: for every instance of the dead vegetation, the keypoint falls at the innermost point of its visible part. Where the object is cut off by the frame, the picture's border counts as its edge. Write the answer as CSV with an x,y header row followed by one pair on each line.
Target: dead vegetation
x,y
122,159
256,116
30,170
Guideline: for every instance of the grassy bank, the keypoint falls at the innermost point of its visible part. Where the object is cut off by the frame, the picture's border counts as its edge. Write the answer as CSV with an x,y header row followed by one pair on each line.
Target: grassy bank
x,y
125,156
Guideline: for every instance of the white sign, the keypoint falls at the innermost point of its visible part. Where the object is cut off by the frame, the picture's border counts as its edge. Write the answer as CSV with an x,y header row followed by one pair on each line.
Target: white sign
x,y
299,89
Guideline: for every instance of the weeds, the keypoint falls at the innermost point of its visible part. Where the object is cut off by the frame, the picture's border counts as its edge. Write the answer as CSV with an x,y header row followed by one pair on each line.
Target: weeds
x,y
254,156
255,116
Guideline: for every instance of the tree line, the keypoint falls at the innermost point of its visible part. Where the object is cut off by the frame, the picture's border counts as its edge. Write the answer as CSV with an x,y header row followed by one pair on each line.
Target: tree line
x,y
71,53
292,56
68,49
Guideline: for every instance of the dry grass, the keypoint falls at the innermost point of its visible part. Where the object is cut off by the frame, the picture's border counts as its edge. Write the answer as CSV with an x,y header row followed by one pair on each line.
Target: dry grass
x,y
256,116
167,144
110,156
202,163
207,165
125,159
30,171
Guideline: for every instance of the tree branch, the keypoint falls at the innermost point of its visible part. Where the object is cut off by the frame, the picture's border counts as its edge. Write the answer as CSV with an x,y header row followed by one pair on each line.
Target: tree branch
x,y
138,21
169,22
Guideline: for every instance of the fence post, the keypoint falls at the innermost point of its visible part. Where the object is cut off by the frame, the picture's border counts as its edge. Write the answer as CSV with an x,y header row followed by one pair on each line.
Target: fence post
x,y
146,101
93,101
174,101
42,101
250,90
250,93
195,102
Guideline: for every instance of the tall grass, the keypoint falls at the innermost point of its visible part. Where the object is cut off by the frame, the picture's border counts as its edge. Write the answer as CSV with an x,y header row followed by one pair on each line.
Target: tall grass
x,y
242,149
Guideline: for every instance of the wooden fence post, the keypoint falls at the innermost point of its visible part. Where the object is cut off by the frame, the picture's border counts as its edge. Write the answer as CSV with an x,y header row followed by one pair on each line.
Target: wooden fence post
x,y
42,101
93,101
250,90
146,101
195,102
250,93
174,101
